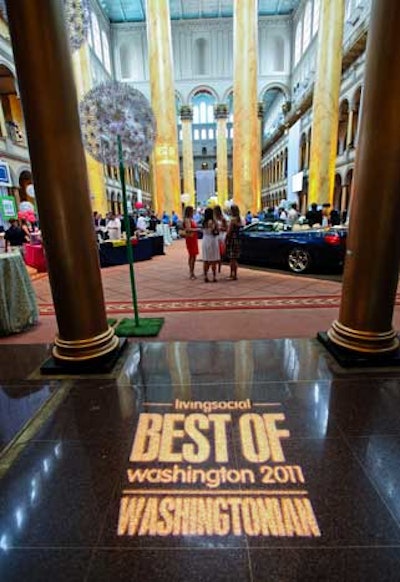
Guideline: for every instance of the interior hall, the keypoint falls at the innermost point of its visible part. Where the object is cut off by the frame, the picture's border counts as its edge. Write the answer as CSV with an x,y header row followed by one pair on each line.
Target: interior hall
x,y
199,308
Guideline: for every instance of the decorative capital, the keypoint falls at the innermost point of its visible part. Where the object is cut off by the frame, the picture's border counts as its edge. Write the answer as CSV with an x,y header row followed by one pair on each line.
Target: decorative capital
x,y
186,113
286,107
221,111
260,110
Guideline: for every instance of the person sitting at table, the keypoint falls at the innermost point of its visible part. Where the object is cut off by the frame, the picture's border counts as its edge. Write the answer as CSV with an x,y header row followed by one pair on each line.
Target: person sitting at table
x,y
15,236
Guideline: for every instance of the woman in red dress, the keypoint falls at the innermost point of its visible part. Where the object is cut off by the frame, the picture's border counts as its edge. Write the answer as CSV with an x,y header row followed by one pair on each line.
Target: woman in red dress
x,y
190,228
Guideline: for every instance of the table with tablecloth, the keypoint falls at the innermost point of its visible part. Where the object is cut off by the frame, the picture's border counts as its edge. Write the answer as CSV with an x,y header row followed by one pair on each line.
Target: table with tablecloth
x,y
18,308
35,257
112,253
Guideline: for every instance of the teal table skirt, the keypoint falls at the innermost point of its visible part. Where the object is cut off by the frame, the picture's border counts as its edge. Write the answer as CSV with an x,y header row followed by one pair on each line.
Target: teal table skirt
x,y
18,308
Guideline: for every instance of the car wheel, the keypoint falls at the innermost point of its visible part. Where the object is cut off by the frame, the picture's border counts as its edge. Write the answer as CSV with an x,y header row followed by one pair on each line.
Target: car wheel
x,y
299,260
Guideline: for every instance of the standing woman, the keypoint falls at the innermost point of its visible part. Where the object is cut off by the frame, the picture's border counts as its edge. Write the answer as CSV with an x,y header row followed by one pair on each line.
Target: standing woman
x,y
222,227
233,241
190,228
210,246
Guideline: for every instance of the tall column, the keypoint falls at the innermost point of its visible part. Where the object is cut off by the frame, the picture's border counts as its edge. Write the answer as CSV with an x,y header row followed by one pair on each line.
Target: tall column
x,y
350,122
83,81
166,169
372,262
221,114
3,127
59,171
258,152
246,164
325,114
343,199
186,113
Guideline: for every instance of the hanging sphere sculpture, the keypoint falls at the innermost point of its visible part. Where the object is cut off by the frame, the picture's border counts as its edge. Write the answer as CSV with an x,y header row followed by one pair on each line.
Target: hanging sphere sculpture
x,y
112,110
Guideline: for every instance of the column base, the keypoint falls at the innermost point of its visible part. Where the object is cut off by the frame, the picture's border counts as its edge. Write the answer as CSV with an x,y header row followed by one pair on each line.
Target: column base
x,y
353,359
367,342
85,350
102,365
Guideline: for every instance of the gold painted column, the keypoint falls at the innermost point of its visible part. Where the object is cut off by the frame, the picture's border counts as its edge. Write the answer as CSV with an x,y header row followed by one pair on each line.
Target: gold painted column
x,y
325,113
258,152
186,114
373,244
246,164
221,114
83,80
166,168
59,171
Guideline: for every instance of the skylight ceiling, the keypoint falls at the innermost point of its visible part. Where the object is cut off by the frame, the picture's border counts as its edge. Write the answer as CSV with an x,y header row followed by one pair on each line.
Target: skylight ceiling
x,y
135,10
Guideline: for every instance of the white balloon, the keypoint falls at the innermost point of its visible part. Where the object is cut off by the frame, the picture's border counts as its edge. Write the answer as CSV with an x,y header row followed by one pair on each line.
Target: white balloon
x,y
30,190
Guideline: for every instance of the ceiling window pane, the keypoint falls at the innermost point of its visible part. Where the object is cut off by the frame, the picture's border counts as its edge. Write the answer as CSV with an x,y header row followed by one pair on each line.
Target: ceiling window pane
x,y
96,36
297,44
316,13
106,51
307,26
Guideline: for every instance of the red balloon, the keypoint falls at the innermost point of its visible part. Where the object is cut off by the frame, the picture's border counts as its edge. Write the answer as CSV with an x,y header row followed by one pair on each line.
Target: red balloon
x,y
138,205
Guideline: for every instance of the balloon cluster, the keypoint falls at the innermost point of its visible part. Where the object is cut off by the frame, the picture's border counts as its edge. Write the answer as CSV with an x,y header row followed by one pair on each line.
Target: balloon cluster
x,y
112,110
27,215
77,17
212,201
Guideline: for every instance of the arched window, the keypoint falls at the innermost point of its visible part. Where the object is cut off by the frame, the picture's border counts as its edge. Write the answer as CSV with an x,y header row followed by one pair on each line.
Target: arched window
x,y
125,60
307,26
106,51
210,114
279,54
200,53
203,112
316,13
196,114
96,36
297,42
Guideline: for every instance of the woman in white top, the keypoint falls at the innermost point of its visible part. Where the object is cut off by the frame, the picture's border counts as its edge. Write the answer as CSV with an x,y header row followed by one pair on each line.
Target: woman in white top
x,y
210,245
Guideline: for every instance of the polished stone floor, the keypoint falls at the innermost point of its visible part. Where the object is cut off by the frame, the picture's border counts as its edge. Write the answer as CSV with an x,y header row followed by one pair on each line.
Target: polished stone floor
x,y
203,461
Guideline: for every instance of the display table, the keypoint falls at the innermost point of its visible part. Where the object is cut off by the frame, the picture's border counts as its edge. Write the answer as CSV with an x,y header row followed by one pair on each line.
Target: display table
x,y
18,309
143,250
34,257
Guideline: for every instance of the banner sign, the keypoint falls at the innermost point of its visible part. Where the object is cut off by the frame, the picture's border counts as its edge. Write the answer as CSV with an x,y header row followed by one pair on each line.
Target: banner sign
x,y
8,208
207,468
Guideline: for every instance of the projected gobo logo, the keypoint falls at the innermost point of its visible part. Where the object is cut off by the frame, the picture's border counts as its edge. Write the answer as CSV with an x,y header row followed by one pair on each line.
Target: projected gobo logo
x,y
182,480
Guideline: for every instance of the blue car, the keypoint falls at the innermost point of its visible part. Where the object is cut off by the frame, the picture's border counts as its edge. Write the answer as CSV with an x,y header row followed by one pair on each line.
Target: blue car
x,y
298,250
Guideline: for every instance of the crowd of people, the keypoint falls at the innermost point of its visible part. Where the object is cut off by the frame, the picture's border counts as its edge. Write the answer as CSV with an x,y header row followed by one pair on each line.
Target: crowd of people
x,y
218,230
289,214
112,226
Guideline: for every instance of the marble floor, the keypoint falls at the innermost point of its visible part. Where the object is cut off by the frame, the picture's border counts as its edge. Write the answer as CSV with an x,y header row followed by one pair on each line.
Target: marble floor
x,y
200,461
